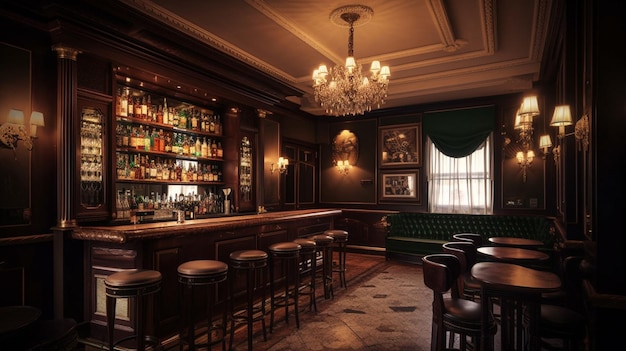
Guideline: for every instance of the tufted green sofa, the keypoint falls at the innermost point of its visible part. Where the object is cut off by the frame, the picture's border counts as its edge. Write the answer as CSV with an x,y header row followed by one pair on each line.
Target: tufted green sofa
x,y
412,235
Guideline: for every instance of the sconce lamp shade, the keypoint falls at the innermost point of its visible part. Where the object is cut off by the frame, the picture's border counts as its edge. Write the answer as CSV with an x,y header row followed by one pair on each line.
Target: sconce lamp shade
x,y
562,117
545,142
16,117
529,107
36,118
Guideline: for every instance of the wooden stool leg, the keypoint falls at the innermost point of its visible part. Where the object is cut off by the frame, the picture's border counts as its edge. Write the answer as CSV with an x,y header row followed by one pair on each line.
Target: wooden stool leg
x,y
110,302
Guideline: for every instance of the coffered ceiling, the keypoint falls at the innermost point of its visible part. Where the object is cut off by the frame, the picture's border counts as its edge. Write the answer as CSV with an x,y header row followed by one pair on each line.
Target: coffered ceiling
x,y
437,50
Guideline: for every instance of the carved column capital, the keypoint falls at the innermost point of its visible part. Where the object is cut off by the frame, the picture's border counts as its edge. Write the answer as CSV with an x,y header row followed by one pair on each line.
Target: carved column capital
x,y
65,52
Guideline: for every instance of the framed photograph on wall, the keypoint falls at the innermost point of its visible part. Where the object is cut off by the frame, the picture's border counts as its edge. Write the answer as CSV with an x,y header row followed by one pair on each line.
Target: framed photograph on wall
x,y
399,186
400,145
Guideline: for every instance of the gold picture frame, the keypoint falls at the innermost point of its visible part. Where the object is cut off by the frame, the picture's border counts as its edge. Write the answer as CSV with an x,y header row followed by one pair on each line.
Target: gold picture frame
x,y
400,145
399,186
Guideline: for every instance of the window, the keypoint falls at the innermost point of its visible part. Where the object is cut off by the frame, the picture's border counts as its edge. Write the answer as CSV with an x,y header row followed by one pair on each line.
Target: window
x,y
460,185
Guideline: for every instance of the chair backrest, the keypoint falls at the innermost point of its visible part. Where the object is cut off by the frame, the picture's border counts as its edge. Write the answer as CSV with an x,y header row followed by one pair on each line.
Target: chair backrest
x,y
477,239
464,250
441,272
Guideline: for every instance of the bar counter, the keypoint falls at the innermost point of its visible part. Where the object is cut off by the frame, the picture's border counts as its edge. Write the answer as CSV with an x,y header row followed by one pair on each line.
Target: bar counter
x,y
154,230
162,246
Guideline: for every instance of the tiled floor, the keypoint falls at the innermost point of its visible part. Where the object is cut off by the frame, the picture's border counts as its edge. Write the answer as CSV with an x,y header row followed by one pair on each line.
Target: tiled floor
x,y
388,308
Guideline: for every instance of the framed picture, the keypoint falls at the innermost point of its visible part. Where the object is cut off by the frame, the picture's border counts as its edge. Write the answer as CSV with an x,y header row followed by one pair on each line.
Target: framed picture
x,y
400,145
399,186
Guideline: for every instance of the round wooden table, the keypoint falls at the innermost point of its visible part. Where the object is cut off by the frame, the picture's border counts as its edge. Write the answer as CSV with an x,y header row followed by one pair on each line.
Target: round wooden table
x,y
513,254
15,318
515,242
516,286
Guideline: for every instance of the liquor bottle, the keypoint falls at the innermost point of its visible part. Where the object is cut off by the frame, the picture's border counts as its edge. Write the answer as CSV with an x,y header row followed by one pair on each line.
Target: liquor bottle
x,y
175,146
204,149
142,167
186,145
218,125
168,142
126,136
149,110
159,114
166,112
220,150
213,149
147,140
161,141
159,170
182,119
194,120
129,104
144,108
179,172
203,125
137,108
192,146
123,102
153,170
165,171
212,124
198,147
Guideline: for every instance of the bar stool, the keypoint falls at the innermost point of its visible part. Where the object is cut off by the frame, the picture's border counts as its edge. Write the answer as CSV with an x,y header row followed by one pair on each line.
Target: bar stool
x,y
254,264
324,247
340,239
138,285
198,273
286,257
308,266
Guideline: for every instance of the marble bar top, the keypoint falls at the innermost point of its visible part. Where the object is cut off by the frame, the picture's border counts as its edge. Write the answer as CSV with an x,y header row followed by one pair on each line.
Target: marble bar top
x,y
130,232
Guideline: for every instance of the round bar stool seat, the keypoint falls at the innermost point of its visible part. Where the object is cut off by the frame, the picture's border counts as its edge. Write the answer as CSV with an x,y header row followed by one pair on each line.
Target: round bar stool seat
x,y
340,239
254,264
308,266
198,273
324,247
137,284
286,257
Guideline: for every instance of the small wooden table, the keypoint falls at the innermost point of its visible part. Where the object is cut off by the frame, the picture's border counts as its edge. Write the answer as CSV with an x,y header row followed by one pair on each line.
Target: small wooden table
x,y
515,242
513,254
516,286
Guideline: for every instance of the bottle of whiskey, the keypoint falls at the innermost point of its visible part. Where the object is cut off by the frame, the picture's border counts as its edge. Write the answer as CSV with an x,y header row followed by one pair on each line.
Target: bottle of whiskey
x,y
204,149
166,112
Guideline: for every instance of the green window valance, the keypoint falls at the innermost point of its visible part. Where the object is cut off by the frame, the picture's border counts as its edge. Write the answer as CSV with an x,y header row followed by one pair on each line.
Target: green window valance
x,y
458,133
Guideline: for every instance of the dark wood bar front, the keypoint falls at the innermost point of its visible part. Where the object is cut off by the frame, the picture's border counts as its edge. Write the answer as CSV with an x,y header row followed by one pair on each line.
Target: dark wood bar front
x,y
163,246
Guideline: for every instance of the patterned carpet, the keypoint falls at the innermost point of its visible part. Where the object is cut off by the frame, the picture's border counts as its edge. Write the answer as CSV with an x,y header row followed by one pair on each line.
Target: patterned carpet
x,y
385,308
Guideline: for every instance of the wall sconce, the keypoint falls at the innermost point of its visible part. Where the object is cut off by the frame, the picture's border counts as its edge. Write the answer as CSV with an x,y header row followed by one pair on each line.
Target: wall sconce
x,y
282,166
545,142
562,117
14,129
524,120
343,167
525,160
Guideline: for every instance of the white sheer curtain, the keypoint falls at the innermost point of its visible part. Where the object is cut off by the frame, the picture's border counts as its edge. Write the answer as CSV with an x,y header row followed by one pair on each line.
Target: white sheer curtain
x,y
460,185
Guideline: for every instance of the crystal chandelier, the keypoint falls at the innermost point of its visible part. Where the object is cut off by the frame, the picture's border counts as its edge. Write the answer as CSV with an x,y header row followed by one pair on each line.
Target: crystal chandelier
x,y
344,90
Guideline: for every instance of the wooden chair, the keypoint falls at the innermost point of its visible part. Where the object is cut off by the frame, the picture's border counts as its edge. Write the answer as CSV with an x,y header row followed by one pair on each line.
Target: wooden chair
x,y
474,238
465,251
451,314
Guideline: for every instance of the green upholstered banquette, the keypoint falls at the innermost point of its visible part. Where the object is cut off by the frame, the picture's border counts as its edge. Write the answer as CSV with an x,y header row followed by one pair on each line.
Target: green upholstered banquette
x,y
419,234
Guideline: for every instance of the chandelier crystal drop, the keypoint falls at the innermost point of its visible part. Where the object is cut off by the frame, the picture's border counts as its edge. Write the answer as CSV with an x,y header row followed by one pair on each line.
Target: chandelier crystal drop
x,y
344,90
